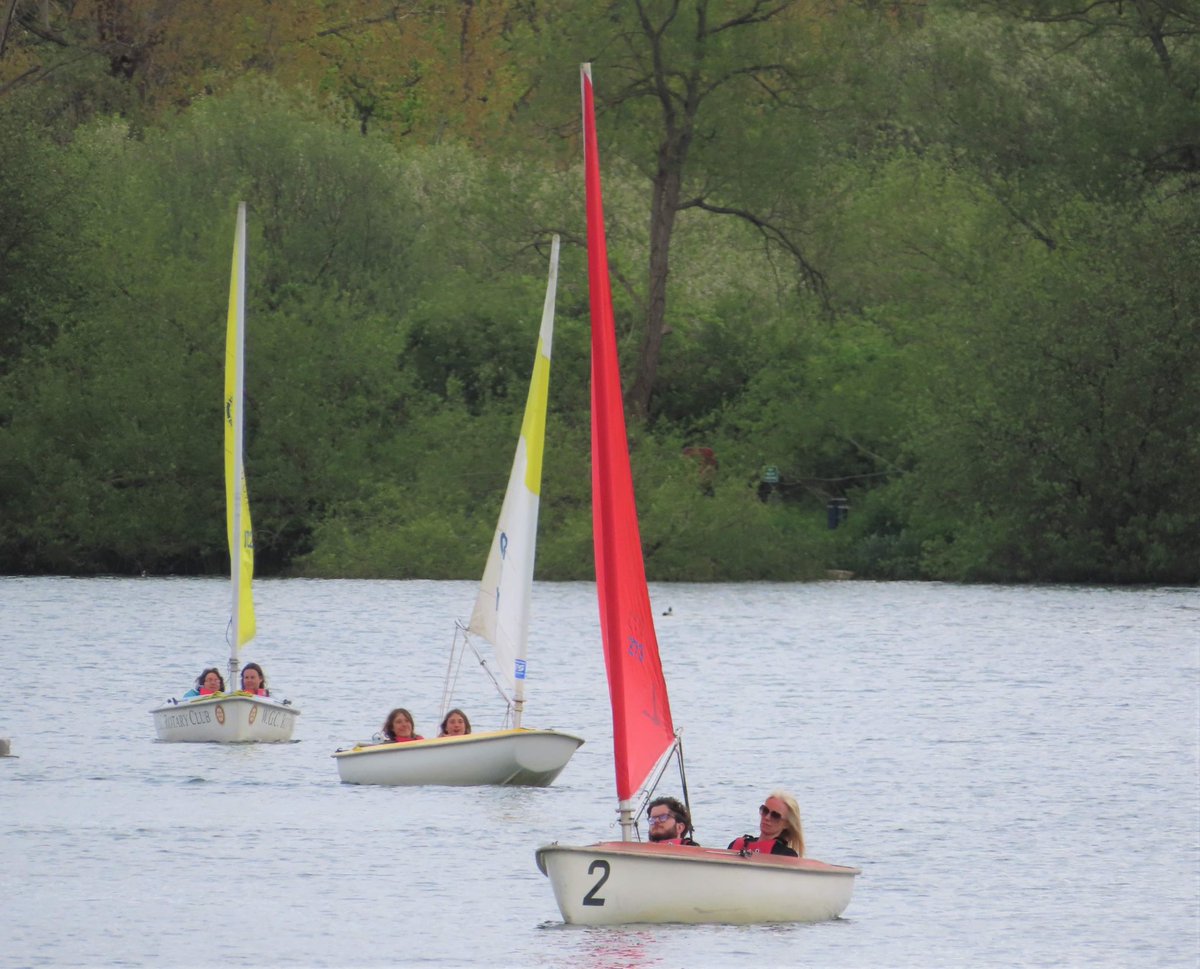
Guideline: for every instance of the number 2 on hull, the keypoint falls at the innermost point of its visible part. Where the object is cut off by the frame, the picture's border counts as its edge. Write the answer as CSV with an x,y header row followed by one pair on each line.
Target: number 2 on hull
x,y
598,865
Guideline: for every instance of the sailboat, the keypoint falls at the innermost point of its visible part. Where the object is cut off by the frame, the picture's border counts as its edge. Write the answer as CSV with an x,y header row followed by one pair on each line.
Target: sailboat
x,y
516,755
628,881
236,716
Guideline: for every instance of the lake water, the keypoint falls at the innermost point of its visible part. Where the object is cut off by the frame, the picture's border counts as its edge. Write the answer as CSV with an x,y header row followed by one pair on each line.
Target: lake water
x,y
1014,769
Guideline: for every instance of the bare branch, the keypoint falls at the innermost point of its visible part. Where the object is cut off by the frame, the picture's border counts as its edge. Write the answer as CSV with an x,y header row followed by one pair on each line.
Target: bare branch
x,y
760,12
772,233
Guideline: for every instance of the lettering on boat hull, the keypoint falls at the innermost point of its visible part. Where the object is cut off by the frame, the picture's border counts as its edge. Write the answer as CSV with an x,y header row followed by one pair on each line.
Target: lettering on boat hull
x,y
185,718
233,720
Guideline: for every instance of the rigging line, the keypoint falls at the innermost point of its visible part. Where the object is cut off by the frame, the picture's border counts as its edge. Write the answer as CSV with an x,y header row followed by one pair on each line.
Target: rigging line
x,y
687,803
648,792
451,676
452,671
487,669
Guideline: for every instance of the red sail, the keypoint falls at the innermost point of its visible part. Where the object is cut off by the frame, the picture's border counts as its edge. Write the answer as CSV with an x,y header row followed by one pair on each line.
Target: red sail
x,y
642,728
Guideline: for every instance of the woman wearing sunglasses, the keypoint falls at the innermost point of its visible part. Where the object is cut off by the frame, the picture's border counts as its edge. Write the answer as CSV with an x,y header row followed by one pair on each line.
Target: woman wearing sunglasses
x,y
779,831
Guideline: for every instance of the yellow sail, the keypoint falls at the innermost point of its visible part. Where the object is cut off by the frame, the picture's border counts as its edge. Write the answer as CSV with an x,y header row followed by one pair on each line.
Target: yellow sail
x,y
237,503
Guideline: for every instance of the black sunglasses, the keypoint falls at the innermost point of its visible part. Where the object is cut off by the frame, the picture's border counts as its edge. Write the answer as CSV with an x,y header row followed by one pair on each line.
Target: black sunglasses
x,y
766,812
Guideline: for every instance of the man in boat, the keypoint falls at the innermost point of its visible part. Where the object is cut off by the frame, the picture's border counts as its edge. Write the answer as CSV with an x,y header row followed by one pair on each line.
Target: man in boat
x,y
670,822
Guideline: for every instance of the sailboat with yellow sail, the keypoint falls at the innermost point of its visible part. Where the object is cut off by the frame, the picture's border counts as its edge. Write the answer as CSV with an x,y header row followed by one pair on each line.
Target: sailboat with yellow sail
x,y
509,756
237,716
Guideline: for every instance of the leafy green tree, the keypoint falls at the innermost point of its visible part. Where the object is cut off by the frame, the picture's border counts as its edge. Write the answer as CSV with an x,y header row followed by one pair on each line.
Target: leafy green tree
x,y
1065,446
37,242
703,98
120,415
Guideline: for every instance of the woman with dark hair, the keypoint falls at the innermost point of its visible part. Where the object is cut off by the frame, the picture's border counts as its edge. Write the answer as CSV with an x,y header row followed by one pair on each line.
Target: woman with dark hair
x,y
455,724
254,680
398,728
208,682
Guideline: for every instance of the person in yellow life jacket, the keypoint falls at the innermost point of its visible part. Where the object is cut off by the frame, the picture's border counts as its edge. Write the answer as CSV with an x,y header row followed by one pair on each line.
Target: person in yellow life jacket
x,y
254,680
779,830
670,822
210,681
398,727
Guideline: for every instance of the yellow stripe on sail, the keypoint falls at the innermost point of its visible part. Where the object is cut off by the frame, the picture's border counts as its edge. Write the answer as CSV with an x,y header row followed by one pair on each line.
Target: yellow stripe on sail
x,y
533,426
243,544
246,628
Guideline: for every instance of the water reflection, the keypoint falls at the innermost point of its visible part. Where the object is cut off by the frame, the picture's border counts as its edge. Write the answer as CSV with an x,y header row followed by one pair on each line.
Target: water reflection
x,y
619,947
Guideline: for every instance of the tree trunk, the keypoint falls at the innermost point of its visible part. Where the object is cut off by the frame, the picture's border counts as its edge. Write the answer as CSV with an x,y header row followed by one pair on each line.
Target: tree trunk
x,y
668,180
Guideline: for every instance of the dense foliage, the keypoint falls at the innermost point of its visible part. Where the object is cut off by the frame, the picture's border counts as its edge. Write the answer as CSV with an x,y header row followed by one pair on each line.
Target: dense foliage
x,y
933,261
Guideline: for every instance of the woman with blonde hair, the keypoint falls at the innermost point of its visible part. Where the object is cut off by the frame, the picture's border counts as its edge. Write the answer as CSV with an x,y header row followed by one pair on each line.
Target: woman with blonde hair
x,y
779,829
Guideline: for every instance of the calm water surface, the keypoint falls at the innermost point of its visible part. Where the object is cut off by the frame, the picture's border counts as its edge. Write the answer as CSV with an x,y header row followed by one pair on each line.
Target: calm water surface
x,y
1014,769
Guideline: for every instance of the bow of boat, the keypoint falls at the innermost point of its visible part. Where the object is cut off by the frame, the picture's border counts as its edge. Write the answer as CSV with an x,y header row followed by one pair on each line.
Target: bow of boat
x,y
225,718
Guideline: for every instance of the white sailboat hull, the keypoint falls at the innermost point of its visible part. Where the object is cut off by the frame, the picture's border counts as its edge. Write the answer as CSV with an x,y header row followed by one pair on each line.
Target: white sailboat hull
x,y
531,758
614,883
225,719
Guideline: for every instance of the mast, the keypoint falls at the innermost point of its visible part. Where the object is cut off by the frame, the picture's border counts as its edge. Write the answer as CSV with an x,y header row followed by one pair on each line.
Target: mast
x,y
235,477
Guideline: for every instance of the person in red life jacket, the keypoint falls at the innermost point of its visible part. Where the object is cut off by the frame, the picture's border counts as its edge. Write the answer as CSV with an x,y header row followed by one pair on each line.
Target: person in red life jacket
x,y
398,728
779,831
254,680
207,683
670,822
455,724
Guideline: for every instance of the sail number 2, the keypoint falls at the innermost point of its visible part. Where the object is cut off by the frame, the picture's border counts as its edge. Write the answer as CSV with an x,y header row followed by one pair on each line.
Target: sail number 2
x,y
599,865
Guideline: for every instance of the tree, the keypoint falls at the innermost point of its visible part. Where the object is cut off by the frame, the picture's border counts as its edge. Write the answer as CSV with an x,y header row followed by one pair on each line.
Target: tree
x,y
409,68
1103,94
120,411
38,242
697,95
1062,443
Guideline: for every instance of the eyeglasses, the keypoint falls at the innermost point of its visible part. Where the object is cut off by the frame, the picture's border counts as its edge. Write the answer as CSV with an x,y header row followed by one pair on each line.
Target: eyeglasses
x,y
766,812
661,818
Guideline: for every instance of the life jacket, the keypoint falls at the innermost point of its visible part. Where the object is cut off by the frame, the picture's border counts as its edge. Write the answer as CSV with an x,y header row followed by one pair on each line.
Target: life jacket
x,y
405,740
206,692
749,844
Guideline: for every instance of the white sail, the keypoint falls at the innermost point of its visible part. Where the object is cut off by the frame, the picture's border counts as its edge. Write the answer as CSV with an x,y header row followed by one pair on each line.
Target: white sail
x,y
501,614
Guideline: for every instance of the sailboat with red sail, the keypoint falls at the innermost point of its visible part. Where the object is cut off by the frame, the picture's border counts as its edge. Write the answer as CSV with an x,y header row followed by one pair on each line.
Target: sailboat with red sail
x,y
627,881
